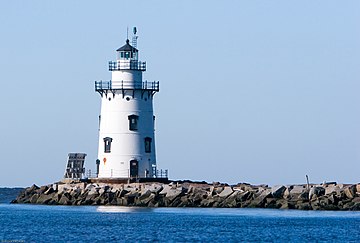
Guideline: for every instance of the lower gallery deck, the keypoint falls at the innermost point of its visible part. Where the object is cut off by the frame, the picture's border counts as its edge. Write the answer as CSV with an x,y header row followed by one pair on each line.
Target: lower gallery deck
x,y
125,180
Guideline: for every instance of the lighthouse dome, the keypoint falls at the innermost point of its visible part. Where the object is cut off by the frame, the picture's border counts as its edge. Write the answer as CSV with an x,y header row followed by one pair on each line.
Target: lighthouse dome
x,y
127,47
127,52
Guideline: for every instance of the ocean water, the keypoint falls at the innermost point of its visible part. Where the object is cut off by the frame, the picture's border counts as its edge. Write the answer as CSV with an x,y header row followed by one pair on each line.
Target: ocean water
x,y
40,223
8,194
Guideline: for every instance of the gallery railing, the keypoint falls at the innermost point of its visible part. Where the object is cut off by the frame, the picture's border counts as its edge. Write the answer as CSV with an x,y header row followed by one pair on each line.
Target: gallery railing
x,y
127,65
126,85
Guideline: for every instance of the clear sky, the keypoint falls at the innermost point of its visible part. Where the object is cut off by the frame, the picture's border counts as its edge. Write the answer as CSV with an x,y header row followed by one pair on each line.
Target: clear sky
x,y
250,91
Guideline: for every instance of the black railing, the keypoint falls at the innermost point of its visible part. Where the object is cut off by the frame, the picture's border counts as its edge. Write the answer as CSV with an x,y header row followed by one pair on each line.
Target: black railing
x,y
126,85
127,65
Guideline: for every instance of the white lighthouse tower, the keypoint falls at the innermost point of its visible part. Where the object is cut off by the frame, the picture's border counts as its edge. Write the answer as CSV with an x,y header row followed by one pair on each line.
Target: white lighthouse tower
x,y
126,129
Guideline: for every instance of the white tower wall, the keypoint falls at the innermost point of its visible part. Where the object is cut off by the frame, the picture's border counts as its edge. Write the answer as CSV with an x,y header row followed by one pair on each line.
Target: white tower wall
x,y
130,75
126,145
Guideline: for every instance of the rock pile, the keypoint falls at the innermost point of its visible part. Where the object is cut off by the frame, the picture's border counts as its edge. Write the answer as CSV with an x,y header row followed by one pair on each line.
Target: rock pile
x,y
189,194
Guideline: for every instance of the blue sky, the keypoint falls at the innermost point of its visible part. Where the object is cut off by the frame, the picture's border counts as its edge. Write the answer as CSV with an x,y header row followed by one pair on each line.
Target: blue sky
x,y
251,91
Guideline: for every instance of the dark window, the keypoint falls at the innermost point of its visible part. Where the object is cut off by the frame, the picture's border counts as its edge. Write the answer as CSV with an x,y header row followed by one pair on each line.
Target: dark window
x,y
133,122
122,54
148,145
127,54
107,144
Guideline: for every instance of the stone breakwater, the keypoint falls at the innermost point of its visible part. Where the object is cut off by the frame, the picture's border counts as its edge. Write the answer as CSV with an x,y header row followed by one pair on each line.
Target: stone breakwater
x,y
189,194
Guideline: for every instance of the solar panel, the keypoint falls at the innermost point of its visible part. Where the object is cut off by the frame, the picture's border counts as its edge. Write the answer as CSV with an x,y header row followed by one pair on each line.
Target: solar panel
x,y
75,166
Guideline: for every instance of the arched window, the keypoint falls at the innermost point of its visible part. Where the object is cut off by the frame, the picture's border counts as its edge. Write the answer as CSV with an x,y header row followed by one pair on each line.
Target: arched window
x,y
133,122
107,144
148,145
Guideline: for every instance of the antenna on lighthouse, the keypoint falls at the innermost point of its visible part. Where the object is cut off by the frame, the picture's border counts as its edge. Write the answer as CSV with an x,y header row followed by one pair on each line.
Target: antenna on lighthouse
x,y
134,38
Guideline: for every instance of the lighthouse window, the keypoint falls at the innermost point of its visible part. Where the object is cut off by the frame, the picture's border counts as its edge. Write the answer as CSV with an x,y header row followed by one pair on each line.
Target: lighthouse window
x,y
107,144
127,54
133,122
148,145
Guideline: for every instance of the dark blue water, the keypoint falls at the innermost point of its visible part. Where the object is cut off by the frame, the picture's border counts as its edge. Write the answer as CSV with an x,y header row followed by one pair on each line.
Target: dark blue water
x,y
32,223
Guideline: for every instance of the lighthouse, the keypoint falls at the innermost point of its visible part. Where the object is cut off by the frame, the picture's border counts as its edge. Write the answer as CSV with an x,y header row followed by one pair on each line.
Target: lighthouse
x,y
126,122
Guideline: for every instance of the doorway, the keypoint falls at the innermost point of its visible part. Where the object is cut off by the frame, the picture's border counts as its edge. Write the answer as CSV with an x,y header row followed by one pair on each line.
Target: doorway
x,y
134,168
